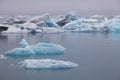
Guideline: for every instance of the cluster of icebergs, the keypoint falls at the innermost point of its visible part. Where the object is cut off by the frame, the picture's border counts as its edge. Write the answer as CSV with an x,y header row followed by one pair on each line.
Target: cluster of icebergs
x,y
69,22
41,49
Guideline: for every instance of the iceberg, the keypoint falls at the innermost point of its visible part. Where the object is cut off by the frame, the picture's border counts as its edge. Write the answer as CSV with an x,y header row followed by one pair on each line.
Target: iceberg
x,y
72,25
14,30
114,26
38,49
48,64
71,16
46,25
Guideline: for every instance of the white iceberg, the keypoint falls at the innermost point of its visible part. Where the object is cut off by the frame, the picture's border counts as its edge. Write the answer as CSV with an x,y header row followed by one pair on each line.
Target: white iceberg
x,y
48,64
30,27
14,30
38,49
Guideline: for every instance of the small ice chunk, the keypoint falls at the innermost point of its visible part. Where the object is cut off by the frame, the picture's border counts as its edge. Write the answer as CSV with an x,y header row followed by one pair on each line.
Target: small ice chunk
x,y
48,64
23,43
3,57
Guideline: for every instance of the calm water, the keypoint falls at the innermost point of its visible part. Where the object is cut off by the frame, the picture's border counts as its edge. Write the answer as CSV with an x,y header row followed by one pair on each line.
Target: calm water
x,y
98,56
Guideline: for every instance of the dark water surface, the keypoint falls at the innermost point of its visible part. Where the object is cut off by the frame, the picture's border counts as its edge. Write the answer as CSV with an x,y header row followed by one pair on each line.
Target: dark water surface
x,y
98,56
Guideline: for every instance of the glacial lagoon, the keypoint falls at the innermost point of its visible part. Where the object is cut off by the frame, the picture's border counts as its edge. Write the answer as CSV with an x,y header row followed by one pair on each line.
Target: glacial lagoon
x,y
97,53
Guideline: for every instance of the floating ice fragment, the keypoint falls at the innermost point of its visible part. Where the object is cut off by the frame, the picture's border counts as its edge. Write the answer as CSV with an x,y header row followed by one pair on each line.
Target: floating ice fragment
x,y
3,57
23,43
48,64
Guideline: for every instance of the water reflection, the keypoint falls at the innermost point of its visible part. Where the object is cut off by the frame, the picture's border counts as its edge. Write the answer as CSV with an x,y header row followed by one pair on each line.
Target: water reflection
x,y
39,70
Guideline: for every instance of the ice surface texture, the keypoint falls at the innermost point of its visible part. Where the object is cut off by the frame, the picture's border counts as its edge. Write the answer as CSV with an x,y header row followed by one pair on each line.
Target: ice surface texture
x,y
48,64
114,26
38,49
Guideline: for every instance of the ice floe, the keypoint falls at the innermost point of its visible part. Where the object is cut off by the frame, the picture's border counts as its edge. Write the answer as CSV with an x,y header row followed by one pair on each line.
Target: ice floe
x,y
38,49
48,64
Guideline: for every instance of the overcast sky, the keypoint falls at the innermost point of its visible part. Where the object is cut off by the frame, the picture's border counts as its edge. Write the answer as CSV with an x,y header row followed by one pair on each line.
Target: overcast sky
x,y
83,7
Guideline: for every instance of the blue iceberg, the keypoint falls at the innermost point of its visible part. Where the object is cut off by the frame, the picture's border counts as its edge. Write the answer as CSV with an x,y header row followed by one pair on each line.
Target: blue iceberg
x,y
38,49
114,26
48,48
47,64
